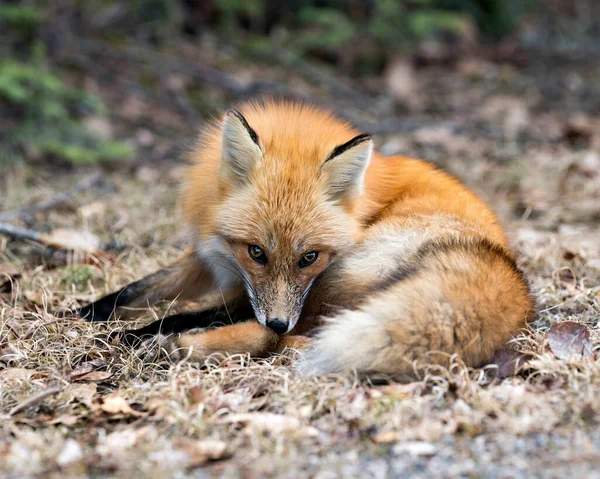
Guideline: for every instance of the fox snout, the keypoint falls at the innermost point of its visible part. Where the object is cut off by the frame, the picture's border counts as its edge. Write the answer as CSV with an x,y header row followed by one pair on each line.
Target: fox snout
x,y
278,325
277,304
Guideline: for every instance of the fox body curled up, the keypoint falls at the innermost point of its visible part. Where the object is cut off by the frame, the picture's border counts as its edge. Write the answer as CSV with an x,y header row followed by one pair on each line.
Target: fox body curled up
x,y
370,263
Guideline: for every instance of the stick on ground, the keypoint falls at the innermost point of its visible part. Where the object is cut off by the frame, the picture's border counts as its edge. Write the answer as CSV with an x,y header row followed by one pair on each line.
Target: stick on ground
x,y
34,399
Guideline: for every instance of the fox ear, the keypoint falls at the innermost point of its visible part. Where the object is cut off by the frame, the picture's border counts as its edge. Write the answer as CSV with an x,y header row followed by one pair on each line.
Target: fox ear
x,y
346,166
240,148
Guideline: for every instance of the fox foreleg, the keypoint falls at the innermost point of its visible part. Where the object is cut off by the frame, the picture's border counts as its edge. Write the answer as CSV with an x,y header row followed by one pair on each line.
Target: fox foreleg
x,y
232,313
243,338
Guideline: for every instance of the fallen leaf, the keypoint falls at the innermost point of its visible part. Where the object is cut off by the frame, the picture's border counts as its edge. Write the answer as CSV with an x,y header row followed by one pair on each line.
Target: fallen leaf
x,y
196,395
570,340
64,419
86,367
116,404
94,376
385,437
82,393
509,362
200,452
36,297
400,391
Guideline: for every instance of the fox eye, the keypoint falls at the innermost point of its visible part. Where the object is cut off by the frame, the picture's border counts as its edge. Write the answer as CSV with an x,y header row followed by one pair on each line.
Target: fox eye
x,y
308,259
257,254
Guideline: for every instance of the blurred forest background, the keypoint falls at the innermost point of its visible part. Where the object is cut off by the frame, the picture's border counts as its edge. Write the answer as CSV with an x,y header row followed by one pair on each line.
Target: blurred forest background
x,y
97,81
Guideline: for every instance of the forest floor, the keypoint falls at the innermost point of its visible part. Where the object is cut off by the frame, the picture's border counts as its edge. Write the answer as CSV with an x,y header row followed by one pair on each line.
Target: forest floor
x,y
525,138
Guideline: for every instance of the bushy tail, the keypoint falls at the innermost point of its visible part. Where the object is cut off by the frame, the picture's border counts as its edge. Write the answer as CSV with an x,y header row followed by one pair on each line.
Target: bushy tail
x,y
466,298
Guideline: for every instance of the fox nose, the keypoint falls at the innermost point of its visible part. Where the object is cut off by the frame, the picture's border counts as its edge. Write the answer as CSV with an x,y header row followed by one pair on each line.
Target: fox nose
x,y
277,325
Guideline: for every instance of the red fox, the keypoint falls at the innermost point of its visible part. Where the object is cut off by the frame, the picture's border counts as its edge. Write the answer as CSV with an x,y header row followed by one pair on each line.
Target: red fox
x,y
367,263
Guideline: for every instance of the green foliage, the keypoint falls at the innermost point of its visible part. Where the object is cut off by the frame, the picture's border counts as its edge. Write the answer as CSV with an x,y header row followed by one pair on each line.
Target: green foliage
x,y
49,116
21,17
328,27
495,18
431,22
349,28
231,10
79,276
42,95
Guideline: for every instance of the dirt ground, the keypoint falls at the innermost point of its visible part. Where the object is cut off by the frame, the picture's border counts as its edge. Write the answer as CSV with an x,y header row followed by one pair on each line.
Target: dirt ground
x,y
526,139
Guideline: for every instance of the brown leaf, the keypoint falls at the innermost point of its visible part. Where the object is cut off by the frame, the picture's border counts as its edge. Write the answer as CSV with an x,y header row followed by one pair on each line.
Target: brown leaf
x,y
385,437
94,376
116,404
400,391
570,341
86,367
83,393
36,297
509,362
64,419
200,452
196,395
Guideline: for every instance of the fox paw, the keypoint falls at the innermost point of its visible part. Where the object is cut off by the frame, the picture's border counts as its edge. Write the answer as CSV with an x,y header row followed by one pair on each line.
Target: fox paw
x,y
160,346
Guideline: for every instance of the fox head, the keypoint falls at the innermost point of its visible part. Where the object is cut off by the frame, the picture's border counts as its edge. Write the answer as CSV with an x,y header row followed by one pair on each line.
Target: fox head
x,y
284,212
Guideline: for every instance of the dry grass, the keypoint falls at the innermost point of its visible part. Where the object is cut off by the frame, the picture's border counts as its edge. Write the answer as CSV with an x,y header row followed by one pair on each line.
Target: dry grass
x,y
106,411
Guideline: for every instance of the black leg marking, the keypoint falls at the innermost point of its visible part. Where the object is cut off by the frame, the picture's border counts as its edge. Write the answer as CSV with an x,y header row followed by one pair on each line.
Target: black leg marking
x,y
102,310
182,322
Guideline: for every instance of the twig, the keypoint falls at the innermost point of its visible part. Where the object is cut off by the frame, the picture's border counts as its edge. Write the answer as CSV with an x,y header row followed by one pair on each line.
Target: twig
x,y
86,246
55,201
20,233
34,399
